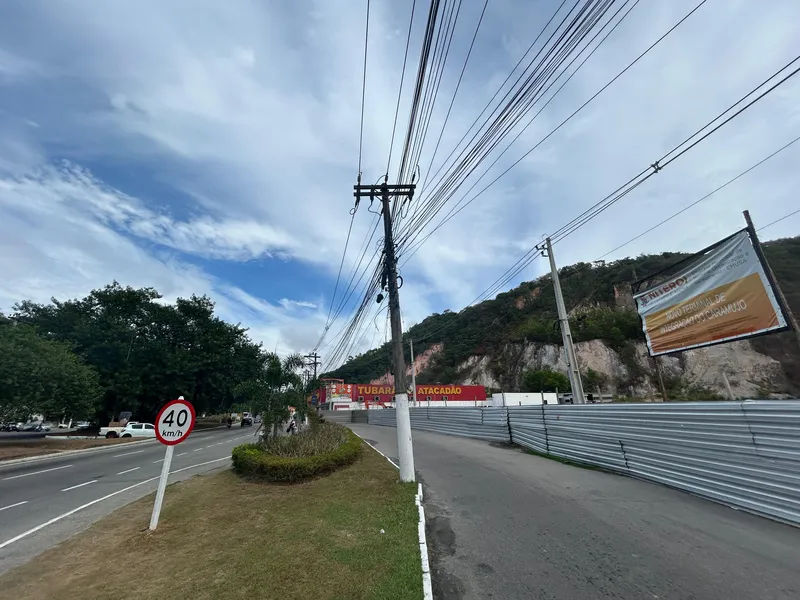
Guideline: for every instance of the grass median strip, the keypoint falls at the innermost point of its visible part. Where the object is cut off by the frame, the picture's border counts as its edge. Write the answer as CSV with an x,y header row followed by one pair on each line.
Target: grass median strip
x,y
221,537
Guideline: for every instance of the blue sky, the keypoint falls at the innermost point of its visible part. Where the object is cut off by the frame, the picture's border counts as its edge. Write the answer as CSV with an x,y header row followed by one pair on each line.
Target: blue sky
x,y
211,148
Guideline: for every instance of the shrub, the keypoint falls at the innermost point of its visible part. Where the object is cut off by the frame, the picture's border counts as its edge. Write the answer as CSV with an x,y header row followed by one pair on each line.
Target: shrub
x,y
255,462
320,439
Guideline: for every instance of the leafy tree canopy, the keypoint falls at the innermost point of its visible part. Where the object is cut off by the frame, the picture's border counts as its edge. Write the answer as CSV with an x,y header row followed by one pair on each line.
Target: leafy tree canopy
x,y
41,376
545,380
146,351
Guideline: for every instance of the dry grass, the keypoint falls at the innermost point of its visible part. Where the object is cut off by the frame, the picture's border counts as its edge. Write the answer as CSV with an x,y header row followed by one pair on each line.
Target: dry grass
x,y
17,449
221,538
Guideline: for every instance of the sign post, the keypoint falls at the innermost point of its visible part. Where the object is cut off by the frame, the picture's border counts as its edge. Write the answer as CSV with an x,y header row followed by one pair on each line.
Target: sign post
x,y
174,423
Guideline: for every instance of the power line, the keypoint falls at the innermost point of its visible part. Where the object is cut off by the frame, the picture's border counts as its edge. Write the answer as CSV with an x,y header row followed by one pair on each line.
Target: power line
x,y
456,209
520,103
708,195
341,264
791,214
363,92
400,92
639,179
455,92
659,164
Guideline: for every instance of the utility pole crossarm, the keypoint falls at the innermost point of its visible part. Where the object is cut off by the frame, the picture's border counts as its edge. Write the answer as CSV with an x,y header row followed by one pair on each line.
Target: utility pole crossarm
x,y
313,361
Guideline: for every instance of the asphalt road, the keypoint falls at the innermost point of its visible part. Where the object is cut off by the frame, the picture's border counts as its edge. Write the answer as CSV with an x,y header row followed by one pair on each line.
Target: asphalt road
x,y
46,501
506,525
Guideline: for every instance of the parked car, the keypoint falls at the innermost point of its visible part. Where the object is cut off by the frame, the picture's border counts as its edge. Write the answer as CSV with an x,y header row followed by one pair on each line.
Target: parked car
x,y
142,430
35,426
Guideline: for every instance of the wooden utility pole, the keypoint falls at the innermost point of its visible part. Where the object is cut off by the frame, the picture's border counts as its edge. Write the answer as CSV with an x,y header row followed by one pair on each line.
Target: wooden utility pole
x,y
385,191
313,361
771,276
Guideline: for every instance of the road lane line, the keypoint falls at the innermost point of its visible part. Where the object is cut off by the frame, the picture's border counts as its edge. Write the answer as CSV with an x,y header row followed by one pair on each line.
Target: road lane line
x,y
128,471
79,485
155,462
181,454
35,473
197,449
127,453
33,530
13,505
197,465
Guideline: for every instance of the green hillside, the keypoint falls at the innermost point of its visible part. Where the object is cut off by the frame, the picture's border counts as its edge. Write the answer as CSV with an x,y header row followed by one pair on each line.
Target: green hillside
x,y
528,313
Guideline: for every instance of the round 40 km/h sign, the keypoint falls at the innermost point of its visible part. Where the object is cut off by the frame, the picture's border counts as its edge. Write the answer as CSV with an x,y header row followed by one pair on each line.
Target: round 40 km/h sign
x,y
174,422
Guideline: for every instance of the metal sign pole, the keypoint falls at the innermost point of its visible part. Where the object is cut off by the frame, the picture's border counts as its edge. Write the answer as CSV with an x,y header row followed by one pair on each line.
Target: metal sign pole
x,y
162,485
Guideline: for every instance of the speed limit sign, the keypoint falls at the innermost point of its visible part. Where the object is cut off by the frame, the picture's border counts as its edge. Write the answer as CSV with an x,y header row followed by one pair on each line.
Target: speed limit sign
x,y
174,422
173,425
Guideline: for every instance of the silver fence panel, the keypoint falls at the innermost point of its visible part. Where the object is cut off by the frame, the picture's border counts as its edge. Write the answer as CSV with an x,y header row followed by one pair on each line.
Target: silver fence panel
x,y
480,423
527,427
744,454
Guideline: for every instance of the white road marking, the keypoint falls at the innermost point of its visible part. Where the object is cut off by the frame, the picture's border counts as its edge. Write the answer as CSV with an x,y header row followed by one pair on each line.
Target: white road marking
x,y
127,453
155,462
197,465
128,471
13,505
70,513
181,454
79,485
35,473
197,449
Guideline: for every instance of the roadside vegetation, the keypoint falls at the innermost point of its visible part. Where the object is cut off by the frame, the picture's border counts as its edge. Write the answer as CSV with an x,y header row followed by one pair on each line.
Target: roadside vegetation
x,y
349,536
318,450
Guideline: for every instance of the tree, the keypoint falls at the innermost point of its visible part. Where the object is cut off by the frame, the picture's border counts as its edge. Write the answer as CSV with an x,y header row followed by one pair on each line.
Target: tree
x,y
146,351
545,380
40,376
277,387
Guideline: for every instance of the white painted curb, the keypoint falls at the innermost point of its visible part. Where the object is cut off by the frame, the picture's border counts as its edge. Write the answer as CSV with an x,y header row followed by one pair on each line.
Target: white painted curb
x,y
427,586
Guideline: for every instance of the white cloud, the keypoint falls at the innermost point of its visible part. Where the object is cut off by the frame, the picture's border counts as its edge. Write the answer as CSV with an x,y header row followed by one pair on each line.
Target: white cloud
x,y
59,237
253,114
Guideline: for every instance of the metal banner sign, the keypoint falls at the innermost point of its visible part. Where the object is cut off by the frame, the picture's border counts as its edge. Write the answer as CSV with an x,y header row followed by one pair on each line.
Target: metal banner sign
x,y
719,295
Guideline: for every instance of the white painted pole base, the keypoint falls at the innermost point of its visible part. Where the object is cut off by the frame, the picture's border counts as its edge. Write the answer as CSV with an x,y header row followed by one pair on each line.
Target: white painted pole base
x,y
405,448
162,485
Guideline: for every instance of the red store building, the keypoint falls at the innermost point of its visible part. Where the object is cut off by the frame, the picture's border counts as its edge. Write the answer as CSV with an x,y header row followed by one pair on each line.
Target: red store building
x,y
460,394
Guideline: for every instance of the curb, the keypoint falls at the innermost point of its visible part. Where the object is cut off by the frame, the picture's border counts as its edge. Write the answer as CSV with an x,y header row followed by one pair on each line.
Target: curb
x,y
18,461
427,586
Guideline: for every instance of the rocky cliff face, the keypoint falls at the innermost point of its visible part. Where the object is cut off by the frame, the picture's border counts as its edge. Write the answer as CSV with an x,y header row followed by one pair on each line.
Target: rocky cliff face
x,y
629,371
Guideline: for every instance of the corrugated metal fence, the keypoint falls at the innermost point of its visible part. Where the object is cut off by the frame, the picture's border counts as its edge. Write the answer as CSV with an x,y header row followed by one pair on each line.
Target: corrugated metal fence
x,y
744,454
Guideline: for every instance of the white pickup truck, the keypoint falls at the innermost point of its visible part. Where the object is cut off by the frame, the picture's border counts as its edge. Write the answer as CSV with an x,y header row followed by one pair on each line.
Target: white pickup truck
x,y
114,430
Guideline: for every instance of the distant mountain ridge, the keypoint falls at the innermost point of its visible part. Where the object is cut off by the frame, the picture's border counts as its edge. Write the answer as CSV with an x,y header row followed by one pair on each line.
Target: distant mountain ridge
x,y
493,342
